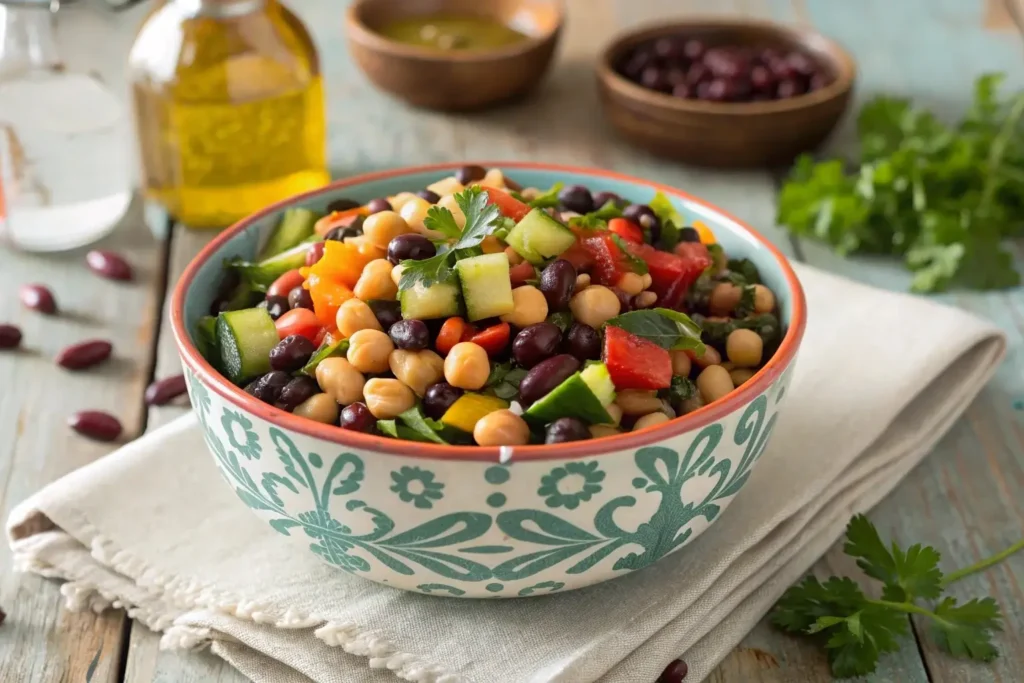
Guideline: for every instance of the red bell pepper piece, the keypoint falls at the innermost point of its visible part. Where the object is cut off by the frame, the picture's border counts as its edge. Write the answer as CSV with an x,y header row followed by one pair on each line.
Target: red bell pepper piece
x,y
627,230
634,362
608,258
451,333
673,274
509,206
493,339
579,257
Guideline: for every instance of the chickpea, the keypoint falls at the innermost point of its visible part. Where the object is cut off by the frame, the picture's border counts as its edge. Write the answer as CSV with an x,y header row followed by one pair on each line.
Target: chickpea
x,y
417,369
318,407
371,251
340,380
466,366
594,306
645,300
414,211
650,420
691,404
714,382
514,259
764,299
741,376
597,431
711,356
380,228
638,401
446,186
491,245
529,307
400,200
724,298
630,283
494,178
744,348
388,398
616,413
530,193
501,428
648,280
396,274
448,202
582,282
355,315
368,351
681,363
375,281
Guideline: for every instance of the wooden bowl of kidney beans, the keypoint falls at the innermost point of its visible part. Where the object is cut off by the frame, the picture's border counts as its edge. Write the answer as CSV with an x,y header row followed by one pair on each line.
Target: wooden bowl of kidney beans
x,y
725,93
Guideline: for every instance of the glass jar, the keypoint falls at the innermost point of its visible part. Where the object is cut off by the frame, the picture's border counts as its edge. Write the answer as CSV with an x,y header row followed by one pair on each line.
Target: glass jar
x,y
229,108
65,173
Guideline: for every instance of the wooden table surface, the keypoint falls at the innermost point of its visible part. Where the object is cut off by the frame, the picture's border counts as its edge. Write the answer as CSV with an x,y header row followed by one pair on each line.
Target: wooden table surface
x,y
966,499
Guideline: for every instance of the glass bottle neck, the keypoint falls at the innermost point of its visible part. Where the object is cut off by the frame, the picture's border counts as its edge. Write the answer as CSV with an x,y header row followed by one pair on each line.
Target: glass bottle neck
x,y
27,36
220,9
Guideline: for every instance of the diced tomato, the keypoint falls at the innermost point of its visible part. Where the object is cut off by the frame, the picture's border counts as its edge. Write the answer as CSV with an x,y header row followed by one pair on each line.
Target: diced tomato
x,y
300,321
451,334
607,257
338,219
627,230
634,362
509,206
493,339
521,273
328,296
285,283
673,274
579,257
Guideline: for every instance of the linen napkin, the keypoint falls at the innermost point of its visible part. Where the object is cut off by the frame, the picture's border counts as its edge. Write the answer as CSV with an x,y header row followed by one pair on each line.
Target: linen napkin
x,y
151,528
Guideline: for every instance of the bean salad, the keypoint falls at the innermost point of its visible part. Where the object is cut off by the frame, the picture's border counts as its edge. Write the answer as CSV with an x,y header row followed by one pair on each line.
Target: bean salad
x,y
476,311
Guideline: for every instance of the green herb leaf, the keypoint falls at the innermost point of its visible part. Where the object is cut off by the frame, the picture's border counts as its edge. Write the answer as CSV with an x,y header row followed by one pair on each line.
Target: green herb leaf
x,y
481,217
668,329
562,319
681,389
743,272
636,264
745,306
966,630
547,199
664,209
425,428
598,219
388,428
670,235
906,575
442,220
325,351
436,269
504,380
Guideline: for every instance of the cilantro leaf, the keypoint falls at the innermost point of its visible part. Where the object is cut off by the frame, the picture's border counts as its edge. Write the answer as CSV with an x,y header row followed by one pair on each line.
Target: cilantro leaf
x,y
547,199
743,272
563,320
636,264
681,389
854,647
481,216
597,219
803,604
746,305
443,221
664,209
906,575
504,380
424,427
668,329
966,630
431,271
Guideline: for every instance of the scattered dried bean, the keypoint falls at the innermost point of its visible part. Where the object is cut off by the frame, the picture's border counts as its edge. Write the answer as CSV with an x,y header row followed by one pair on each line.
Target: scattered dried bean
x,y
10,337
95,424
165,390
38,298
108,264
84,354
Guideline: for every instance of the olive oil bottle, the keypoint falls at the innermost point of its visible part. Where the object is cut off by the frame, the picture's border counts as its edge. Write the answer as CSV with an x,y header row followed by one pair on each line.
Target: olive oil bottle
x,y
229,108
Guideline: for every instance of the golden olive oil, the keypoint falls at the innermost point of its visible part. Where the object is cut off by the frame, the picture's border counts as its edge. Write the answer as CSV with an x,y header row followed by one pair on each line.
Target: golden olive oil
x,y
444,32
232,120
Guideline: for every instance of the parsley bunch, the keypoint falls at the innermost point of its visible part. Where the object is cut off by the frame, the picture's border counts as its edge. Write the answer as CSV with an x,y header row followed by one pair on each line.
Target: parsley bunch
x,y
944,197
858,629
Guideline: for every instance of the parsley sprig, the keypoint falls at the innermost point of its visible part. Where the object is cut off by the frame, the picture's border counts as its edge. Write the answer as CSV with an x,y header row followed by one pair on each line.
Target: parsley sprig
x,y
944,197
482,219
857,629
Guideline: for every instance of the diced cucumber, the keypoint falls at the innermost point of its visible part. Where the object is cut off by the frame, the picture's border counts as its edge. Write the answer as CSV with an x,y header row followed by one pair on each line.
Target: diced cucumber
x,y
262,274
245,339
296,225
338,348
469,409
206,339
439,300
538,236
486,286
584,395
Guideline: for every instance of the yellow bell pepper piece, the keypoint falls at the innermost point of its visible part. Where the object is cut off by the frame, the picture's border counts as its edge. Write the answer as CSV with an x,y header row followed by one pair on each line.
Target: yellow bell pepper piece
x,y
706,236
469,409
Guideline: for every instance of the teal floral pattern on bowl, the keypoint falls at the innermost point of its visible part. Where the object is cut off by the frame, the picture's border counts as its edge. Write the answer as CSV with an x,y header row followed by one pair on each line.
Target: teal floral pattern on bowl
x,y
473,527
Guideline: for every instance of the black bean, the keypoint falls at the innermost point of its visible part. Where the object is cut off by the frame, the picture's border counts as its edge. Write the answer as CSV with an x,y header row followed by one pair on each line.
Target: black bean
x,y
625,300
388,312
644,216
583,342
291,353
411,335
357,418
545,376
353,229
439,398
429,195
268,387
10,337
410,246
557,283
689,234
566,429
536,343
342,204
603,197
276,306
378,205
576,198
300,297
296,392
468,174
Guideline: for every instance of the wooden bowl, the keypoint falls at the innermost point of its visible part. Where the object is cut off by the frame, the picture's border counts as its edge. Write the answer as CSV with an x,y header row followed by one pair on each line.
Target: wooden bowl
x,y
456,80
725,134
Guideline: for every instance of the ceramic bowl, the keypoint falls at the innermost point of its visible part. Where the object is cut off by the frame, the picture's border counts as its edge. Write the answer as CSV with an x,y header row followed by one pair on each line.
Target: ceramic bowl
x,y
727,134
457,80
486,522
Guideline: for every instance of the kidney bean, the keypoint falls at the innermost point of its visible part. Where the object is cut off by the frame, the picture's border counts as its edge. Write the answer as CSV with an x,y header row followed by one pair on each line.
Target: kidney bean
x,y
388,312
583,342
566,429
268,387
296,392
276,306
576,198
378,205
535,343
95,424
410,246
84,354
557,282
468,174
163,391
10,337
285,283
603,197
291,353
300,297
357,418
353,229
411,335
108,264
439,398
675,672
342,204
545,376
38,298
315,253
3,615
429,195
